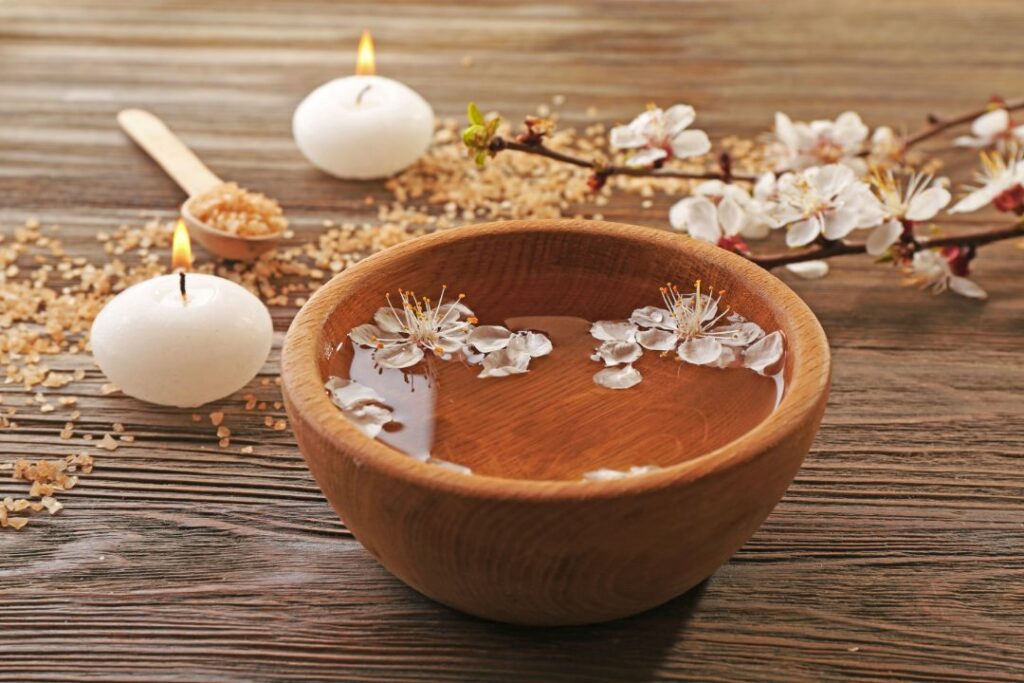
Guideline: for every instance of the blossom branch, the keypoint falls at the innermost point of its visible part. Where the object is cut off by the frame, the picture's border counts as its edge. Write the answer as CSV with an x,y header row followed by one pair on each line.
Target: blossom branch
x,y
817,186
828,249
937,125
498,144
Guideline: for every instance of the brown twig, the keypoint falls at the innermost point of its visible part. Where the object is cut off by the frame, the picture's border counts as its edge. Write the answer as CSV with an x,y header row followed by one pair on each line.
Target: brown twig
x,y
937,125
842,248
499,143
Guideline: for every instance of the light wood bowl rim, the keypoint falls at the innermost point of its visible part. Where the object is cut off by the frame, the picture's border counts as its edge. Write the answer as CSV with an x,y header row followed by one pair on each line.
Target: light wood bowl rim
x,y
803,394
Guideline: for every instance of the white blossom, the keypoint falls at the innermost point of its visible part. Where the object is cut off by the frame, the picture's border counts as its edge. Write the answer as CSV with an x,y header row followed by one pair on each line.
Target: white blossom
x,y
718,209
621,377
998,174
399,335
803,145
696,327
660,135
992,128
921,201
826,201
930,268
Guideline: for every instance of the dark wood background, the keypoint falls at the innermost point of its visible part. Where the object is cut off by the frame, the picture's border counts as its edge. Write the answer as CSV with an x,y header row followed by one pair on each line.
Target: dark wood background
x,y
896,554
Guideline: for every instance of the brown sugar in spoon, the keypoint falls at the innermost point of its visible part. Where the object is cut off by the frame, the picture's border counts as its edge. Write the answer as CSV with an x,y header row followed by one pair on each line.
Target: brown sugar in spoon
x,y
192,175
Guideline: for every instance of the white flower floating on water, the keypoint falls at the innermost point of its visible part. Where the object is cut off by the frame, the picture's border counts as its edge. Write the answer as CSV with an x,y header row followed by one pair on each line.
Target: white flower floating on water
x,y
401,335
695,326
992,128
802,145
661,135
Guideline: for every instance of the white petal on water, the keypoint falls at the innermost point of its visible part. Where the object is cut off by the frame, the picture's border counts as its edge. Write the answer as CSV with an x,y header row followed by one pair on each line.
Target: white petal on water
x,y
739,333
388,319
447,465
533,343
452,311
620,377
347,393
730,356
605,474
619,353
764,353
369,418
656,340
452,343
653,316
399,356
700,350
366,335
609,330
488,338
504,362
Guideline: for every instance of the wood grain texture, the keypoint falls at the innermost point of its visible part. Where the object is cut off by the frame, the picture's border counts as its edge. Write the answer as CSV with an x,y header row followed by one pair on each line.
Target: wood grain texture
x,y
896,553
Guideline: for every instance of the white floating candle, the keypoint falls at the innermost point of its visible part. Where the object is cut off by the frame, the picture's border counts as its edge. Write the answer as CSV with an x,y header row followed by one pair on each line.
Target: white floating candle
x,y
182,346
363,126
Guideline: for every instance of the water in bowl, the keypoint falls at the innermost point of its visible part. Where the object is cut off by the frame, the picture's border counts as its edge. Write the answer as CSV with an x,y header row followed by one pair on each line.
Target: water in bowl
x,y
554,422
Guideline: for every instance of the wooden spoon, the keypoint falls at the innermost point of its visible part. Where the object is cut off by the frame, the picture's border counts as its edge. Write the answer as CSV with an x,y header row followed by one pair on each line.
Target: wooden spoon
x,y
192,175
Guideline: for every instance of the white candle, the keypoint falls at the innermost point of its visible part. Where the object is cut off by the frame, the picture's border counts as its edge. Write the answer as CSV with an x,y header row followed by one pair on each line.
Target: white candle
x,y
363,126
184,351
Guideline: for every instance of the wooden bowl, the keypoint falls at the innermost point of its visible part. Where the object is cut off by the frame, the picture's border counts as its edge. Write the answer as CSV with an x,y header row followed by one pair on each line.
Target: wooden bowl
x,y
552,552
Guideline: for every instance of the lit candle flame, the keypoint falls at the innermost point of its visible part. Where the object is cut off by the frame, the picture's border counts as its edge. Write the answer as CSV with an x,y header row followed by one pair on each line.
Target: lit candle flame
x,y
365,65
181,248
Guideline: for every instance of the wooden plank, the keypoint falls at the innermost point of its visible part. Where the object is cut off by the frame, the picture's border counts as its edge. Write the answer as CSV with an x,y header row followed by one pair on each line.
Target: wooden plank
x,y
894,556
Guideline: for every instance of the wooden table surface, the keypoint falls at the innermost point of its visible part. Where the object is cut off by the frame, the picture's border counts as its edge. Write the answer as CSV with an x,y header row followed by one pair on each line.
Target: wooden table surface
x,y
895,555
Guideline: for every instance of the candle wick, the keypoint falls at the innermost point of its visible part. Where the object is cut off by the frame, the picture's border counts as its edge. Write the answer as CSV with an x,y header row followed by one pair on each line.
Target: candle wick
x,y
366,89
181,284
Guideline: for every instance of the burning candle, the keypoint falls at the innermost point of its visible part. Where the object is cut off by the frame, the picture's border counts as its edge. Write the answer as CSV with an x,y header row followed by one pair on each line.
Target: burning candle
x,y
184,339
363,126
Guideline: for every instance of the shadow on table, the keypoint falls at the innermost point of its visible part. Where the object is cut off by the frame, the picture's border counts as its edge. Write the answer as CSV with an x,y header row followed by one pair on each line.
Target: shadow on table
x,y
627,650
